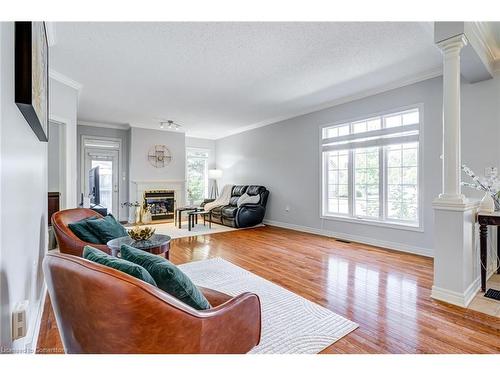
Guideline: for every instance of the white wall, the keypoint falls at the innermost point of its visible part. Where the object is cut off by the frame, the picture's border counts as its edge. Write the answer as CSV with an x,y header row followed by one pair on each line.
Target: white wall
x,y
63,103
141,140
285,158
23,203
54,157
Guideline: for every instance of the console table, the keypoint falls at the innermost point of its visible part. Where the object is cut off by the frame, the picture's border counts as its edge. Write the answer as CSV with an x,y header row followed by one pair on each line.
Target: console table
x,y
485,219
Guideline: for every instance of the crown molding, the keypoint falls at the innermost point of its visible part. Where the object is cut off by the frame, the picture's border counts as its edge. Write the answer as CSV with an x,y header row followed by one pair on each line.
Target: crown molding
x,y
65,80
486,39
346,99
496,67
50,28
104,125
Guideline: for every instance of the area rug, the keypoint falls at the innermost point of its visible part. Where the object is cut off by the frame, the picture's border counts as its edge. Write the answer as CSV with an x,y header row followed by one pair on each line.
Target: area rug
x,y
173,231
290,323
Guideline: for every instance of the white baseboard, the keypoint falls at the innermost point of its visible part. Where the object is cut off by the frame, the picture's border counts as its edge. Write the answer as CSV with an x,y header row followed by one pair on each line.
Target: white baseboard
x,y
34,332
456,298
355,238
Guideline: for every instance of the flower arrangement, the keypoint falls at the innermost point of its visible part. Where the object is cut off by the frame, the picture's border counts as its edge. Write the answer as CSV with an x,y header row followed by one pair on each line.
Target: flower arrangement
x,y
489,184
130,204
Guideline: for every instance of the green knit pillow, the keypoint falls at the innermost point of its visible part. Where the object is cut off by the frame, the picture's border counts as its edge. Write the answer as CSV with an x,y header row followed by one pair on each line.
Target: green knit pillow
x,y
168,277
125,266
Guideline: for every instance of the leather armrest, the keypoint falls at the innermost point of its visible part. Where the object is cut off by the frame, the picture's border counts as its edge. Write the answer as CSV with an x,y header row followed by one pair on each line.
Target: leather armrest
x,y
240,320
249,215
214,297
251,205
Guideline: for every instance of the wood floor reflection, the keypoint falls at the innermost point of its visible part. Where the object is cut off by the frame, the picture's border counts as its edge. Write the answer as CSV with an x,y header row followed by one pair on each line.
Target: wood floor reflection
x,y
386,292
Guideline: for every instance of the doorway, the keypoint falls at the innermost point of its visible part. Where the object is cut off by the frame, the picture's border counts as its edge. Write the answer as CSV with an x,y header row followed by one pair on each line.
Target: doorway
x,y
103,153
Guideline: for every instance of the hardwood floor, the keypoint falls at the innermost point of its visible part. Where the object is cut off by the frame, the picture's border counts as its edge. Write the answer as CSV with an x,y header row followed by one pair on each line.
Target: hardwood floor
x,y
386,292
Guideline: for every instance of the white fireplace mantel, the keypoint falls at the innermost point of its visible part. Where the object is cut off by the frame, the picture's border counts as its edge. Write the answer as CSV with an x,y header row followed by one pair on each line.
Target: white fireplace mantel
x,y
178,186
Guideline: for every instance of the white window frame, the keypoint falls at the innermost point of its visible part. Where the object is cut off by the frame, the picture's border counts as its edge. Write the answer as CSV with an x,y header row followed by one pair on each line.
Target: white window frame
x,y
207,167
392,223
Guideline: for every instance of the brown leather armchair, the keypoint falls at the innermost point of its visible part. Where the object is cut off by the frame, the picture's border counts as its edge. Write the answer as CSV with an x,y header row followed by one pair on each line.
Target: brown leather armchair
x,y
101,310
67,241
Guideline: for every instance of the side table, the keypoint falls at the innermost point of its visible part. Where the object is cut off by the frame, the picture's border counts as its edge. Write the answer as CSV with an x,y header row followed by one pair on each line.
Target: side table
x,y
158,244
484,220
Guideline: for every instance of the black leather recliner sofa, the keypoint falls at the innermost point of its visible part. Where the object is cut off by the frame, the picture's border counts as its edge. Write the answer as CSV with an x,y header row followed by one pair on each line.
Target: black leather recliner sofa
x,y
247,215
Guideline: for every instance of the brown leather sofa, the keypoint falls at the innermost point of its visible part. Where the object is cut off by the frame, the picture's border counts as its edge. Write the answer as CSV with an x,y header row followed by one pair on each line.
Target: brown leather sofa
x,y
101,310
67,241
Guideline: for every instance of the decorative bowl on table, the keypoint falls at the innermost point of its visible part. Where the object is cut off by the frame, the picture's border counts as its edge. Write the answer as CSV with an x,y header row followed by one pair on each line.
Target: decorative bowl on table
x,y
141,233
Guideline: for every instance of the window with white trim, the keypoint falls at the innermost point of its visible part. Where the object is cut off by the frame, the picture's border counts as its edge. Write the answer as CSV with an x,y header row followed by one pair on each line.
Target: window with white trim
x,y
196,175
370,168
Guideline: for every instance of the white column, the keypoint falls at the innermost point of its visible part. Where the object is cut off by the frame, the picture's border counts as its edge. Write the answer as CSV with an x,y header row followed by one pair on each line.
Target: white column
x,y
451,118
455,271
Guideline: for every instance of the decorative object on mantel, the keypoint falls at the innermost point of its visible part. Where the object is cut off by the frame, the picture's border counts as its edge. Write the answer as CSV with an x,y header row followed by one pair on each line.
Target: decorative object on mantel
x,y
141,233
159,156
489,184
214,174
134,216
146,215
32,76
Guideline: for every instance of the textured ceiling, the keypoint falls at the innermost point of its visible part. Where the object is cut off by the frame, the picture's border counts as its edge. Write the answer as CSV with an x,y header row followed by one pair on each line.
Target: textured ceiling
x,y
218,78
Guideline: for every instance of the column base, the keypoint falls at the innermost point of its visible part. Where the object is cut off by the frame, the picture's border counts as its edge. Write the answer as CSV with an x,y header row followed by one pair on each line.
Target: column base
x,y
455,259
453,203
458,299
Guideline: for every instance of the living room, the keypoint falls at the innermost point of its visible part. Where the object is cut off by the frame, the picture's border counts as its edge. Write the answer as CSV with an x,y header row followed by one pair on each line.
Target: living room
x,y
287,187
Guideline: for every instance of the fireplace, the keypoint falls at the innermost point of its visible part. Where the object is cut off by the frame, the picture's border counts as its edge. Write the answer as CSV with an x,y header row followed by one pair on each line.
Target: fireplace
x,y
161,203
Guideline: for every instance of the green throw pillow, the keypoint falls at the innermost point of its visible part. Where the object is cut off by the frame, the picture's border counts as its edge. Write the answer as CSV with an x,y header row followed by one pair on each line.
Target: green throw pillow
x,y
168,277
82,230
107,228
125,266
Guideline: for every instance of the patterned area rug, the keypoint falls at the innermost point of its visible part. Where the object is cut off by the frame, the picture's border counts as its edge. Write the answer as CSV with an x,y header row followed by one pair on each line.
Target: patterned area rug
x,y
290,323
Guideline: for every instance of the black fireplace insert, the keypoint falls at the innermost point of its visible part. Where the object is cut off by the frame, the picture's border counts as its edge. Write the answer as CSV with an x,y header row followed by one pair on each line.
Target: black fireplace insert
x,y
161,203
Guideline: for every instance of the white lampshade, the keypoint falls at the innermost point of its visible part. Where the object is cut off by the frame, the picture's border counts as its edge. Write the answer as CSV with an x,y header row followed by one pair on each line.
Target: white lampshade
x,y
214,174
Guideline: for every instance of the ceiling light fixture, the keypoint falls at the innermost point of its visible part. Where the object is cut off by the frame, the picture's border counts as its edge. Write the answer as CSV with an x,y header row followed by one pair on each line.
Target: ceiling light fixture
x,y
170,125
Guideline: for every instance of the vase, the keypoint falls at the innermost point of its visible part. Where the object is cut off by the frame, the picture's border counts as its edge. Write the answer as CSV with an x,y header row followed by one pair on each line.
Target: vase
x,y
487,204
146,217
131,215
138,218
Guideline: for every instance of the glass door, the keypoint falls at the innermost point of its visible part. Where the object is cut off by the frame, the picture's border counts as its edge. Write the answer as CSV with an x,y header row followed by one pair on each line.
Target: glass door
x,y
107,161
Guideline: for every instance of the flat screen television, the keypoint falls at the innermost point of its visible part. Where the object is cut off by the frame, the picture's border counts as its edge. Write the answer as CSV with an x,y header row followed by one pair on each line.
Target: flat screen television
x,y
94,191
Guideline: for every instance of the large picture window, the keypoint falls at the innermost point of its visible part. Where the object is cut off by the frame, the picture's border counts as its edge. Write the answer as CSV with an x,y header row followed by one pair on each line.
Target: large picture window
x,y
370,168
197,175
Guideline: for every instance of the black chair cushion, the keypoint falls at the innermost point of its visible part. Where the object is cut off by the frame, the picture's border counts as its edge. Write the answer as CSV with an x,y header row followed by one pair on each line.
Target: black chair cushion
x,y
229,211
255,189
233,201
216,211
238,190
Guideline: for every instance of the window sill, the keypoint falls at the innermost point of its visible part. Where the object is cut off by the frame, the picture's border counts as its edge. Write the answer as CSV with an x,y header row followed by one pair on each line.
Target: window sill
x,y
386,224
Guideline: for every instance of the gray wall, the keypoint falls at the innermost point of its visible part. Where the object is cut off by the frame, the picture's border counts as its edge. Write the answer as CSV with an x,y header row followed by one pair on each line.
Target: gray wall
x,y
23,204
285,158
122,134
141,140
